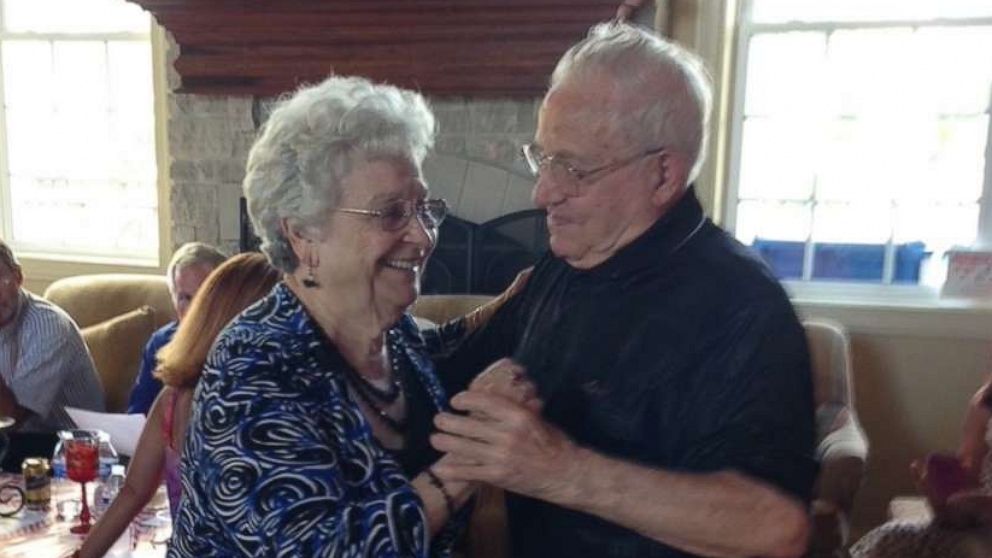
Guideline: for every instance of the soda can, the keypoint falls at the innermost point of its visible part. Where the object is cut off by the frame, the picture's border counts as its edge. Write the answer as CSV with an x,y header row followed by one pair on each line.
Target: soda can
x,y
37,484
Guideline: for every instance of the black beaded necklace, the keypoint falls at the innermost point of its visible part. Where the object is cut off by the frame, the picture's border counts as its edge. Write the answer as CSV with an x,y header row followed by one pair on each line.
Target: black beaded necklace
x,y
388,395
369,394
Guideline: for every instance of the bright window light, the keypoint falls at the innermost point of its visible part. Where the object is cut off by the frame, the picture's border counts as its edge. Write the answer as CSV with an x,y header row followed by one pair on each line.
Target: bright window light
x,y
79,176
861,136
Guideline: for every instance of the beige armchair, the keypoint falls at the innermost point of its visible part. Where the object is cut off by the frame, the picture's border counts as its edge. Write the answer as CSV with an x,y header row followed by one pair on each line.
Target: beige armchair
x,y
842,447
117,314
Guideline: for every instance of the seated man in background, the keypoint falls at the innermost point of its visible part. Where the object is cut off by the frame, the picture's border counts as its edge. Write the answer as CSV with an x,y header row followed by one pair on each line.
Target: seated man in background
x,y
188,269
44,365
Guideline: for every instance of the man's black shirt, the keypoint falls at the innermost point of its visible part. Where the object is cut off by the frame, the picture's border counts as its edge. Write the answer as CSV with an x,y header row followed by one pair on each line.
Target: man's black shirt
x,y
680,352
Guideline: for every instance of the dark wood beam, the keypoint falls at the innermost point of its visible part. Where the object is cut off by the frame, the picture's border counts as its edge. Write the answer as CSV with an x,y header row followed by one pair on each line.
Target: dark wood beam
x,y
494,48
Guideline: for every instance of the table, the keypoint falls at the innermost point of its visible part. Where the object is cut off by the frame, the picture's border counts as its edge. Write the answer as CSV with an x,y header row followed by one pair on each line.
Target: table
x,y
41,534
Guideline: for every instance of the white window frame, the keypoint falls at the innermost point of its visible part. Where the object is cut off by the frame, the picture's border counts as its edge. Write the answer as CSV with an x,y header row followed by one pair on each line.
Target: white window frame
x,y
829,291
43,266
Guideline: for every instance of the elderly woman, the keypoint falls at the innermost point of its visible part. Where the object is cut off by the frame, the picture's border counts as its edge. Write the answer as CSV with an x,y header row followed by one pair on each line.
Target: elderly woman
x,y
309,435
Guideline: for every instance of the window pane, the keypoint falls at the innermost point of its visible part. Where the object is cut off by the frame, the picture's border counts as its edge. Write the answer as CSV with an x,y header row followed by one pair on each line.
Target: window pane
x,y
74,16
954,69
868,223
80,75
874,70
31,143
94,208
83,144
780,11
778,157
132,147
27,71
35,209
939,226
785,73
956,161
130,75
875,158
772,221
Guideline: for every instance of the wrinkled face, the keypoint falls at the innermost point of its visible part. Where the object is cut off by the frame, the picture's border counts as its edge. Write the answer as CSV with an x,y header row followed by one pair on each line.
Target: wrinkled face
x,y
187,281
376,267
10,288
606,211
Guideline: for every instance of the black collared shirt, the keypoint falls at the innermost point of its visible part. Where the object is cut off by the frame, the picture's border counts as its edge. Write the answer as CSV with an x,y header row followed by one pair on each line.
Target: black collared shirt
x,y
682,352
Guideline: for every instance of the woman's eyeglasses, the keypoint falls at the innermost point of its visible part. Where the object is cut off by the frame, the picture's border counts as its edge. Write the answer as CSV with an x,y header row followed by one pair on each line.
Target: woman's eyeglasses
x,y
396,215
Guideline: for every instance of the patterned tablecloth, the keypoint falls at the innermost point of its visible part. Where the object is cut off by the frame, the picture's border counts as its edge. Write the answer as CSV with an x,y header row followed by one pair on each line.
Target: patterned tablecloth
x,y
37,534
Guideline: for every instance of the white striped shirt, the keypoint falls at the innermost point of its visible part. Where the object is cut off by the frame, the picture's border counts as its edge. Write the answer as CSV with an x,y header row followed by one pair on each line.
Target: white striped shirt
x,y
45,362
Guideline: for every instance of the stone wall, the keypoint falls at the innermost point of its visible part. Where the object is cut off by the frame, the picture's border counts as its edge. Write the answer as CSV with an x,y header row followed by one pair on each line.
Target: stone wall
x,y
475,166
209,139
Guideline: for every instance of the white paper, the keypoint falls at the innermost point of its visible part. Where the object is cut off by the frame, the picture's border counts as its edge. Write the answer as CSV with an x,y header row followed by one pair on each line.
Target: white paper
x,y
124,429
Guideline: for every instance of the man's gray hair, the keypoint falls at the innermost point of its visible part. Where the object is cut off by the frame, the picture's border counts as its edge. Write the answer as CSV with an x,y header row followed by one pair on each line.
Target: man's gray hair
x,y
667,90
191,254
305,149
7,258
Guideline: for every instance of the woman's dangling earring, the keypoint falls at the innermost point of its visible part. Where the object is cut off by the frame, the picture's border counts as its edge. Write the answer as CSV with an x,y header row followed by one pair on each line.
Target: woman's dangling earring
x,y
310,281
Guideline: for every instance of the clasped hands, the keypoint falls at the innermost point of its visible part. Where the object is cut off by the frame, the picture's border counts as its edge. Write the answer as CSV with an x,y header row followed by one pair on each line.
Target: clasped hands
x,y
502,440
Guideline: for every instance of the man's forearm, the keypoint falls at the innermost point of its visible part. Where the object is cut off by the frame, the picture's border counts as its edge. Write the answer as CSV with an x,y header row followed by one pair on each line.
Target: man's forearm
x,y
716,514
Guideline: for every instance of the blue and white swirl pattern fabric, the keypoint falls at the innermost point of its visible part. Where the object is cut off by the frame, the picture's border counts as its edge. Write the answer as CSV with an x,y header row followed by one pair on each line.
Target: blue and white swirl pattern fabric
x,y
279,461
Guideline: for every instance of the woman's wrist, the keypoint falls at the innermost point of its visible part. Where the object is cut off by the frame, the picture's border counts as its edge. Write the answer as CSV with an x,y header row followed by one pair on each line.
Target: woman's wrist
x,y
436,482
459,491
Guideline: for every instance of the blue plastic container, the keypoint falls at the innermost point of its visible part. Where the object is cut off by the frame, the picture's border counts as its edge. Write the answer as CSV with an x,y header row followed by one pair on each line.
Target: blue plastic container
x,y
843,261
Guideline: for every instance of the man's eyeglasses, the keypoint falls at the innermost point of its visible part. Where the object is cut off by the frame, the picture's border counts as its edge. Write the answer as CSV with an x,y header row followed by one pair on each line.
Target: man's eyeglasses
x,y
394,216
568,175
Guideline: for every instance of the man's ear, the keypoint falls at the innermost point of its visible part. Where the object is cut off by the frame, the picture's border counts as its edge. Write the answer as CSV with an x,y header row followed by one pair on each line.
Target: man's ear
x,y
672,171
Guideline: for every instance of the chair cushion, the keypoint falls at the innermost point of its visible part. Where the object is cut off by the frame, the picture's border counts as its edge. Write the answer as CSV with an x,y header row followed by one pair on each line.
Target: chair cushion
x,y
116,346
91,299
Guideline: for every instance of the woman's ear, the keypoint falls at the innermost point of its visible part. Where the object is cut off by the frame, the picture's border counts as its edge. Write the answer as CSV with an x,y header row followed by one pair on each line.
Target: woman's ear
x,y
297,236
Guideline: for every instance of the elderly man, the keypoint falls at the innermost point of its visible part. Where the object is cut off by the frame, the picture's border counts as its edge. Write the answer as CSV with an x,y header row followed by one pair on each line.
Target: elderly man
x,y
678,400
188,269
44,363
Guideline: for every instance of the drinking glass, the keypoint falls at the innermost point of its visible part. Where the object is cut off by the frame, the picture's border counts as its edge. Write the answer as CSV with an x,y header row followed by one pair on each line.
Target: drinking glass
x,y
82,451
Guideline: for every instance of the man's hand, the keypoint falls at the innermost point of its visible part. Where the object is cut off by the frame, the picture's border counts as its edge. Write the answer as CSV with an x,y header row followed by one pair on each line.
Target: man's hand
x,y
507,444
509,379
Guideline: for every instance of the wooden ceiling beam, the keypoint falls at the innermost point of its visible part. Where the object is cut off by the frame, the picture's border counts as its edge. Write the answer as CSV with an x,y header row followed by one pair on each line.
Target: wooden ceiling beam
x,y
443,47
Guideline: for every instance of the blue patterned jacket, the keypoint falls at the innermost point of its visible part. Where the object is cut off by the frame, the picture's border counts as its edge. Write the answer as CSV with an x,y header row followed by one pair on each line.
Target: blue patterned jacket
x,y
279,461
